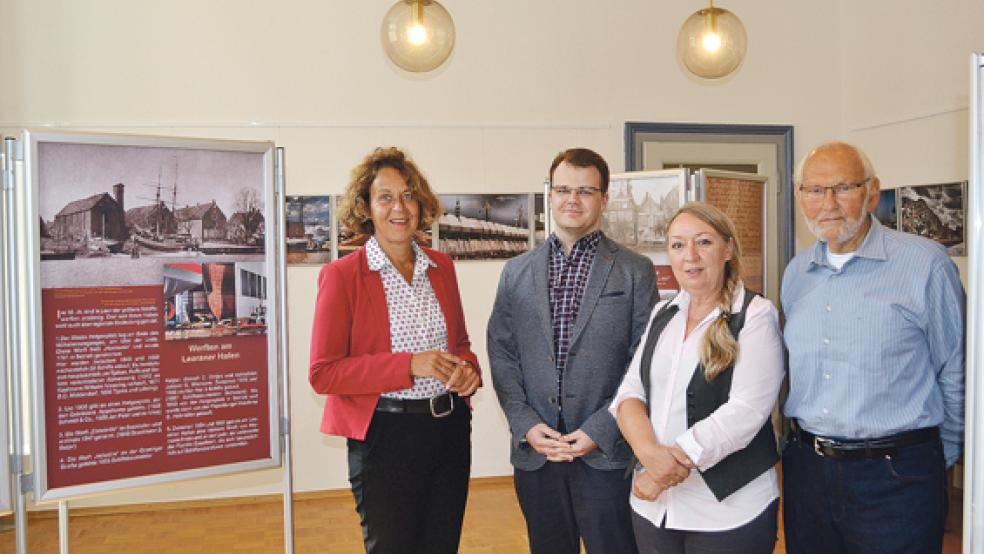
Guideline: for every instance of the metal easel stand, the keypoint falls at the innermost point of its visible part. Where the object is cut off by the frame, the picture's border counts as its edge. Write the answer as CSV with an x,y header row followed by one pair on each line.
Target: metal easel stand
x,y
12,286
973,526
285,443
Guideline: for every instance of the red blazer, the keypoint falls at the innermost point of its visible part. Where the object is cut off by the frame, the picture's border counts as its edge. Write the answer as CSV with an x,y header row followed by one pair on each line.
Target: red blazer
x,y
351,361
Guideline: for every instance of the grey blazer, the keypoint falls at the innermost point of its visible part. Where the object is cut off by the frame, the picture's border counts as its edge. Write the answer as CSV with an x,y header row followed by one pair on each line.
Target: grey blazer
x,y
617,302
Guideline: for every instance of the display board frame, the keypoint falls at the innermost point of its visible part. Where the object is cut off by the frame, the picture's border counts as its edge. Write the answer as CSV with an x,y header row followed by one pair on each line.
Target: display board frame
x,y
270,264
6,362
705,181
973,523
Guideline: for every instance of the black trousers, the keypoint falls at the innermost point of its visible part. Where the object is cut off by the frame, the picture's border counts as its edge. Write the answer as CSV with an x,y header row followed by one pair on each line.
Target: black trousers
x,y
564,502
410,481
758,536
889,505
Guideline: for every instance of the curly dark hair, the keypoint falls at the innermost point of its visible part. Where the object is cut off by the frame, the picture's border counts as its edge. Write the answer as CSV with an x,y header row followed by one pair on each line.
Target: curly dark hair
x,y
354,212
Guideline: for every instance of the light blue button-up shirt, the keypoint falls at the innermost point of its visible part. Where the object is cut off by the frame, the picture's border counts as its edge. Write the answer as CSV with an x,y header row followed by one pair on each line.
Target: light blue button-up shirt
x,y
877,347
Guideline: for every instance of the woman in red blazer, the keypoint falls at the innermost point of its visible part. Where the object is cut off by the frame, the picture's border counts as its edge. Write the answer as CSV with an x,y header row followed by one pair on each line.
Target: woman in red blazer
x,y
390,350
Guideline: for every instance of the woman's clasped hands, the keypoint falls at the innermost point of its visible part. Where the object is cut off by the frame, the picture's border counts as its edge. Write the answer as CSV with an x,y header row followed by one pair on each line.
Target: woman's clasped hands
x,y
457,374
662,468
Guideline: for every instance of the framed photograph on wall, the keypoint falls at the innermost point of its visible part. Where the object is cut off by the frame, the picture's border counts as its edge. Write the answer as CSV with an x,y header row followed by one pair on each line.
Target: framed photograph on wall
x,y
484,226
936,212
309,230
887,210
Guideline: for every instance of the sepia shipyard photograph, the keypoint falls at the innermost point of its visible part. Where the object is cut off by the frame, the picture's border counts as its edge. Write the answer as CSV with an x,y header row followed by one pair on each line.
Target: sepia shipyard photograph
x,y
113,214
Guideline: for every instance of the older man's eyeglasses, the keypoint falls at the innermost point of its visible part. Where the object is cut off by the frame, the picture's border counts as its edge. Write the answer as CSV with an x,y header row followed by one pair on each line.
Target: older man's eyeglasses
x,y
581,192
840,190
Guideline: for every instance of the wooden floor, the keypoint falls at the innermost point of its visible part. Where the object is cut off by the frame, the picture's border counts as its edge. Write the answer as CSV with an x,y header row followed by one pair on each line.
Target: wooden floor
x,y
323,523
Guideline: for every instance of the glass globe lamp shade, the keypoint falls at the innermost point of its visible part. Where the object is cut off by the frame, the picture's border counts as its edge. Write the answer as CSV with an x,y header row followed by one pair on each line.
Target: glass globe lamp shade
x,y
712,42
417,35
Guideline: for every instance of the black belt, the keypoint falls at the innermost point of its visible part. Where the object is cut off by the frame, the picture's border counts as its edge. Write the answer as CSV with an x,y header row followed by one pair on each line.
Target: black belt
x,y
864,449
438,406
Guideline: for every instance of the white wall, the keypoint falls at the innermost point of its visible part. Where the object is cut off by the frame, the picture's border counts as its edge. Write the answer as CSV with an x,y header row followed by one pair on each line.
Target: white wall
x,y
527,79
906,82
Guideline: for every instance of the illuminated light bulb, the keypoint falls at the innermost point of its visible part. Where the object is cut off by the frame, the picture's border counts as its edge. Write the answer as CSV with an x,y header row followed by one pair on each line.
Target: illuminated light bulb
x,y
417,35
711,42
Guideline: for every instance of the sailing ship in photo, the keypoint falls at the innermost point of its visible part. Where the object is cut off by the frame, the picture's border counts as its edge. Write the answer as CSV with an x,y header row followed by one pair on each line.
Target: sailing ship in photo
x,y
115,214
101,225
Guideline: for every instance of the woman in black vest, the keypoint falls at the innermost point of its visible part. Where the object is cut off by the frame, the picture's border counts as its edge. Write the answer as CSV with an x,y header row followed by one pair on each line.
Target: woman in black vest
x,y
696,401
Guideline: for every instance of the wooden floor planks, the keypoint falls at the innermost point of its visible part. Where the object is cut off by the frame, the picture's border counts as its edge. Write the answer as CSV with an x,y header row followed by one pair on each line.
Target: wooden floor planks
x,y
323,523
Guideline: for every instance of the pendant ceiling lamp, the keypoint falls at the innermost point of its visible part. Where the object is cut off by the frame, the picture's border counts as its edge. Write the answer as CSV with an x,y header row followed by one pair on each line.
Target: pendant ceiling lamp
x,y
712,42
418,35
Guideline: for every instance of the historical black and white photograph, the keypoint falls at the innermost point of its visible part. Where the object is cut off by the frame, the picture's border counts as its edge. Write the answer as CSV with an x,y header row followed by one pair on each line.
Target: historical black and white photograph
x,y
309,236
206,300
886,212
935,212
484,226
112,214
638,212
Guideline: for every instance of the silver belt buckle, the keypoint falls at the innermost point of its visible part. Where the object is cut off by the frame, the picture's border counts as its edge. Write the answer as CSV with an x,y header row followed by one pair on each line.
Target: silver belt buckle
x,y
442,414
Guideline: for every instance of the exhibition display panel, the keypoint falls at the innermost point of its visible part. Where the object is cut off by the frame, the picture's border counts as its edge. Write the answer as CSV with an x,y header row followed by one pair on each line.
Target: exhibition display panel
x,y
156,340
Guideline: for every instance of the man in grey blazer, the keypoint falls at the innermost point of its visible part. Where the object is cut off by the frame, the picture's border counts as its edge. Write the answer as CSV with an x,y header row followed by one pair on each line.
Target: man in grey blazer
x,y
567,318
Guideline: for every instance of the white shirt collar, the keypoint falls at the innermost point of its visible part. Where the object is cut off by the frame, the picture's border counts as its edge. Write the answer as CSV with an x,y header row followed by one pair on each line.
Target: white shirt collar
x,y
378,260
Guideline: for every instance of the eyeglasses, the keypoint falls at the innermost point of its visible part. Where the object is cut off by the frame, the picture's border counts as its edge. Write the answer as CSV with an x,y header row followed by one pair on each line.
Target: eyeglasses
x,y
841,190
581,192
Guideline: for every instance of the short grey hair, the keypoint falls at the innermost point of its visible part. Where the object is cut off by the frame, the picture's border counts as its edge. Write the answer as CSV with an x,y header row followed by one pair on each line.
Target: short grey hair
x,y
866,165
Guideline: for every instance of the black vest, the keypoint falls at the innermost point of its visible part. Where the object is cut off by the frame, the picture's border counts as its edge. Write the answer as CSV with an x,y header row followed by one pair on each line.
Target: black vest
x,y
741,467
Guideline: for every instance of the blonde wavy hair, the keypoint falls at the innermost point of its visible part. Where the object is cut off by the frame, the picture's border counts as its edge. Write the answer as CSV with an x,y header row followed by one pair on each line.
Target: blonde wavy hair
x,y
354,211
719,349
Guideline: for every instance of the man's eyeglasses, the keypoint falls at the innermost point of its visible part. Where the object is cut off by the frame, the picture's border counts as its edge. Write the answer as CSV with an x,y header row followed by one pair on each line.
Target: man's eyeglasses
x,y
841,190
581,192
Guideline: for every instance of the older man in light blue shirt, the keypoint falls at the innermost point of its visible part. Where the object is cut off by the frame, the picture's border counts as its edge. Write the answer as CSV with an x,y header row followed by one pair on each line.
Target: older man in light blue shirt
x,y
875,334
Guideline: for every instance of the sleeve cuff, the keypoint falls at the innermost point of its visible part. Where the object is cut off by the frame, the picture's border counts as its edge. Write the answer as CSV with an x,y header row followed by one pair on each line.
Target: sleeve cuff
x,y
613,409
951,453
689,445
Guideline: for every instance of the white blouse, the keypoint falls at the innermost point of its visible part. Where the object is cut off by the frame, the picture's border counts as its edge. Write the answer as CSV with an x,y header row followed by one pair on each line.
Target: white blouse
x,y
415,316
755,384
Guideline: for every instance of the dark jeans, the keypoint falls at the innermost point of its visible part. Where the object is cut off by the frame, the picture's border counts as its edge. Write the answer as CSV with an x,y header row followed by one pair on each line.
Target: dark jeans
x,y
755,537
566,501
410,481
884,505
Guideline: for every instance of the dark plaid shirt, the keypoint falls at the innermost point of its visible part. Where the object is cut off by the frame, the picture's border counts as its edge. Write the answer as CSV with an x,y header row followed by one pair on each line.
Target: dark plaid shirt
x,y
568,276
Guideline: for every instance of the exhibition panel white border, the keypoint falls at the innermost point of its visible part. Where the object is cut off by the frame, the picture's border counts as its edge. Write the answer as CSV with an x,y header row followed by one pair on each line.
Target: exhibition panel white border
x,y
29,227
973,517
